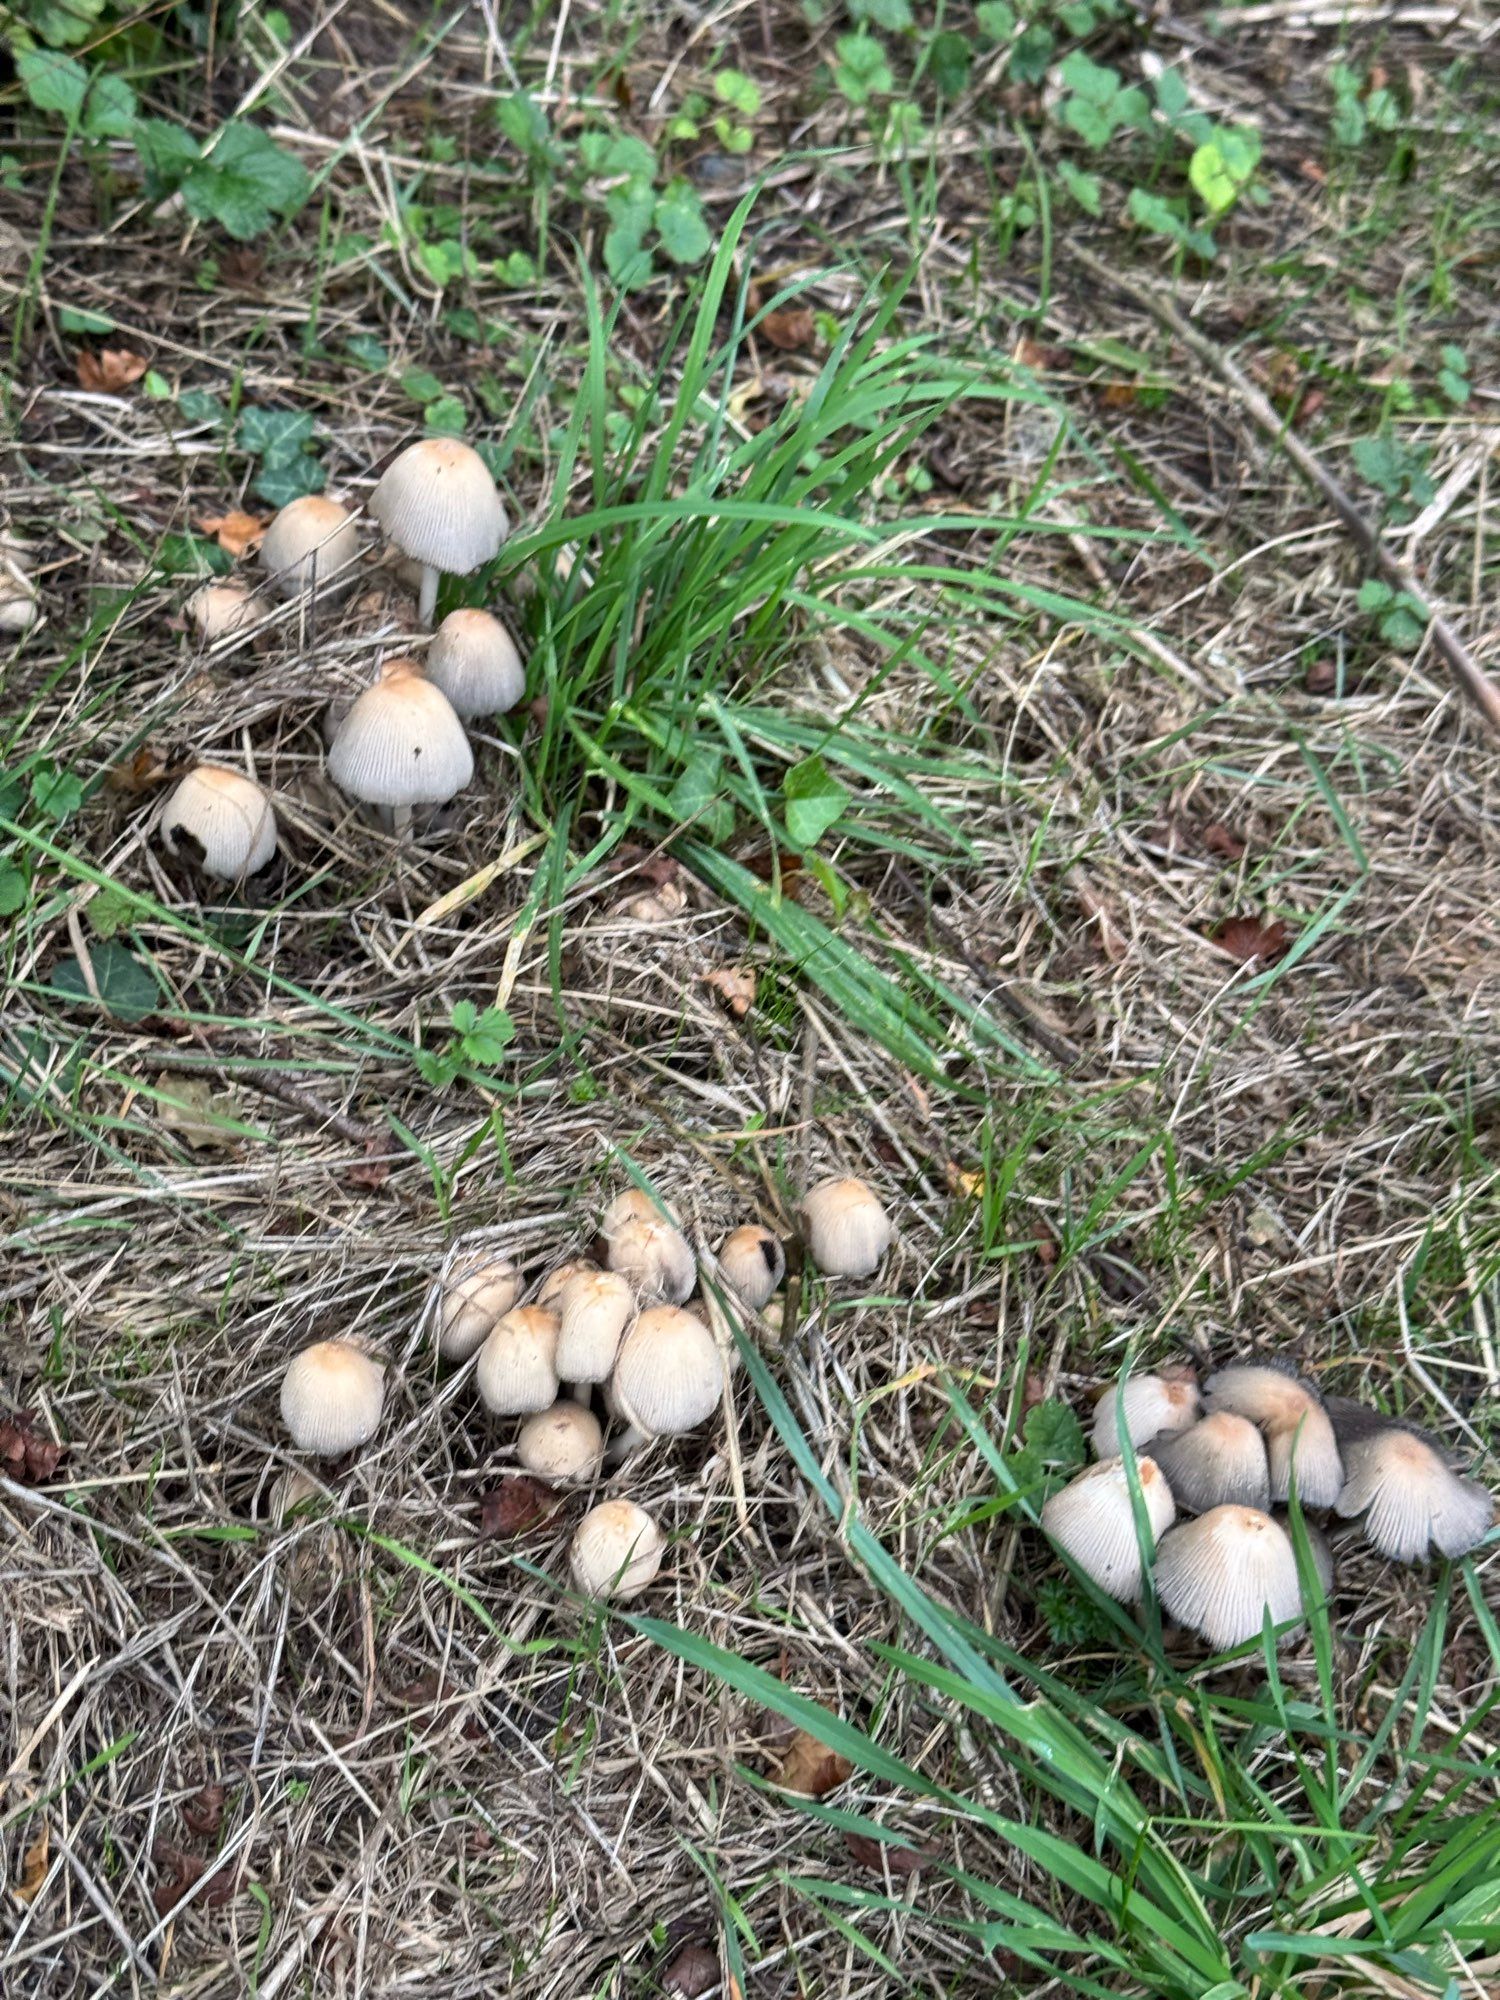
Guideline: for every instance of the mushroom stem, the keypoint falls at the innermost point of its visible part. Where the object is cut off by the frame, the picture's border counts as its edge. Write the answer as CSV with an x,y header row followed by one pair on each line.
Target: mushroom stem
x,y
580,1392
401,822
624,1443
427,599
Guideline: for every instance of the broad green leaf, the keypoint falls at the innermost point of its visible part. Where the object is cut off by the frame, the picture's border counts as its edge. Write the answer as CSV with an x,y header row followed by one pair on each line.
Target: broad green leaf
x,y
127,987
245,181
734,88
277,436
862,71
893,15
166,152
447,416
421,385
13,889
949,61
62,23
283,480
110,109
53,82
56,793
685,236
367,350
73,321
997,19
1085,189
813,800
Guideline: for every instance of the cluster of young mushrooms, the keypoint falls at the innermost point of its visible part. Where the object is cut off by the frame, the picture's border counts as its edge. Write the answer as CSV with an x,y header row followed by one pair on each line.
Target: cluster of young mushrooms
x,y
614,1343
400,745
1230,1456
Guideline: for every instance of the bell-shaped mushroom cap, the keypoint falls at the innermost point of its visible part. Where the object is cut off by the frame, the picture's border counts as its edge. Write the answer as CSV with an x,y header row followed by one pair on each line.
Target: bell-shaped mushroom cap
x,y
648,1249
1297,1430
401,744
549,1292
517,1368
1093,1521
594,1308
754,1262
1218,1463
1411,1500
1269,1395
219,609
310,542
220,821
848,1232
473,659
331,1398
479,1291
617,1551
1221,1573
1318,1546
669,1375
564,1442
438,503
1154,1407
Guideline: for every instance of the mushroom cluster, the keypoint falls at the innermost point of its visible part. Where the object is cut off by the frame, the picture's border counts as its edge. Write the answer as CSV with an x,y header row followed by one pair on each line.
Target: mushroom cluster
x,y
1229,1456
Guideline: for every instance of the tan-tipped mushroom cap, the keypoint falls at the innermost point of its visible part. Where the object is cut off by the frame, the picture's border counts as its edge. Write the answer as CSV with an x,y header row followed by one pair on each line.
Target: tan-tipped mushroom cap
x,y
312,541
401,744
517,1368
594,1309
1297,1431
848,1232
616,1552
331,1398
1153,1406
479,1291
753,1262
1220,1462
438,503
473,659
1411,1499
648,1249
1221,1573
669,1375
1092,1520
564,1442
549,1292
220,821
219,609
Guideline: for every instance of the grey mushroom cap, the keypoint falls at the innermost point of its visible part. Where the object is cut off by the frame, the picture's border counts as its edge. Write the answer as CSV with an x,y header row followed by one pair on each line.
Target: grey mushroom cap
x,y
1216,1463
1222,1573
331,1398
312,541
1092,1519
401,743
439,504
1153,1407
1412,1500
221,820
474,660
1299,1436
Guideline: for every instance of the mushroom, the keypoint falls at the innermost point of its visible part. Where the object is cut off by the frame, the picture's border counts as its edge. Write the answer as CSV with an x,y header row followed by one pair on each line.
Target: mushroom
x,y
1092,1519
17,597
1412,1500
473,659
1222,1573
564,1442
1153,1405
438,504
753,1262
557,1280
399,746
219,609
669,1374
311,542
594,1308
1217,1463
331,1398
481,1290
220,821
517,1368
616,1551
1297,1429
647,1248
1318,1546
848,1232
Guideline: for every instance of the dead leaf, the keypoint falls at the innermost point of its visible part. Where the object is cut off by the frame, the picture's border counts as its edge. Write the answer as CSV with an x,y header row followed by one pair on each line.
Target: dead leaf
x,y
693,1972
1251,939
1219,840
111,371
659,906
657,869
148,768
1032,354
765,867
243,268
180,1871
963,1181
1322,677
187,1107
1308,406
789,328
421,1693
516,1506
236,533
373,1171
27,1885
203,1813
1119,395
27,1456
883,1856
1033,1390
1096,912
1312,170
809,1767
734,986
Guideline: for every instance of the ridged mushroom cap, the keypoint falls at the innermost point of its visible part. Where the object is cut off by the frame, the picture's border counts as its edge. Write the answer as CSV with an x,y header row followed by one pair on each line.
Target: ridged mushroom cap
x,y
400,743
594,1309
557,1280
221,821
473,659
438,504
848,1232
219,609
647,1248
1297,1429
1092,1520
311,540
1411,1499
1318,1546
516,1373
480,1291
753,1262
616,1551
1154,1407
1219,1462
669,1375
1221,1573
331,1398
564,1442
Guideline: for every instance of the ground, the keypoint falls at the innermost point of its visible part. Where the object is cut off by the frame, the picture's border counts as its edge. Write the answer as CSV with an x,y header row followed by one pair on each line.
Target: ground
x,y
1108,866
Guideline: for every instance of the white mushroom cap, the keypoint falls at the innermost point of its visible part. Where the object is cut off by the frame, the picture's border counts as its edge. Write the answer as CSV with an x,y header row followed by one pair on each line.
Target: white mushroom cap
x,y
222,821
401,744
848,1232
480,1291
18,606
1411,1500
1092,1520
1317,1542
648,1249
753,1262
564,1442
594,1308
617,1551
549,1292
473,659
517,1368
1220,1462
219,609
669,1375
331,1398
1296,1426
310,542
1154,1407
1221,1573
438,503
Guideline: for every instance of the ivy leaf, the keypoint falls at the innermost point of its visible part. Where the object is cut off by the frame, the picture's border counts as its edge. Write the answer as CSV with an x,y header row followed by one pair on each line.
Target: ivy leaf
x,y
367,350
813,799
685,236
126,986
1092,81
1092,122
617,156
53,82
244,182
997,20
276,436
283,480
